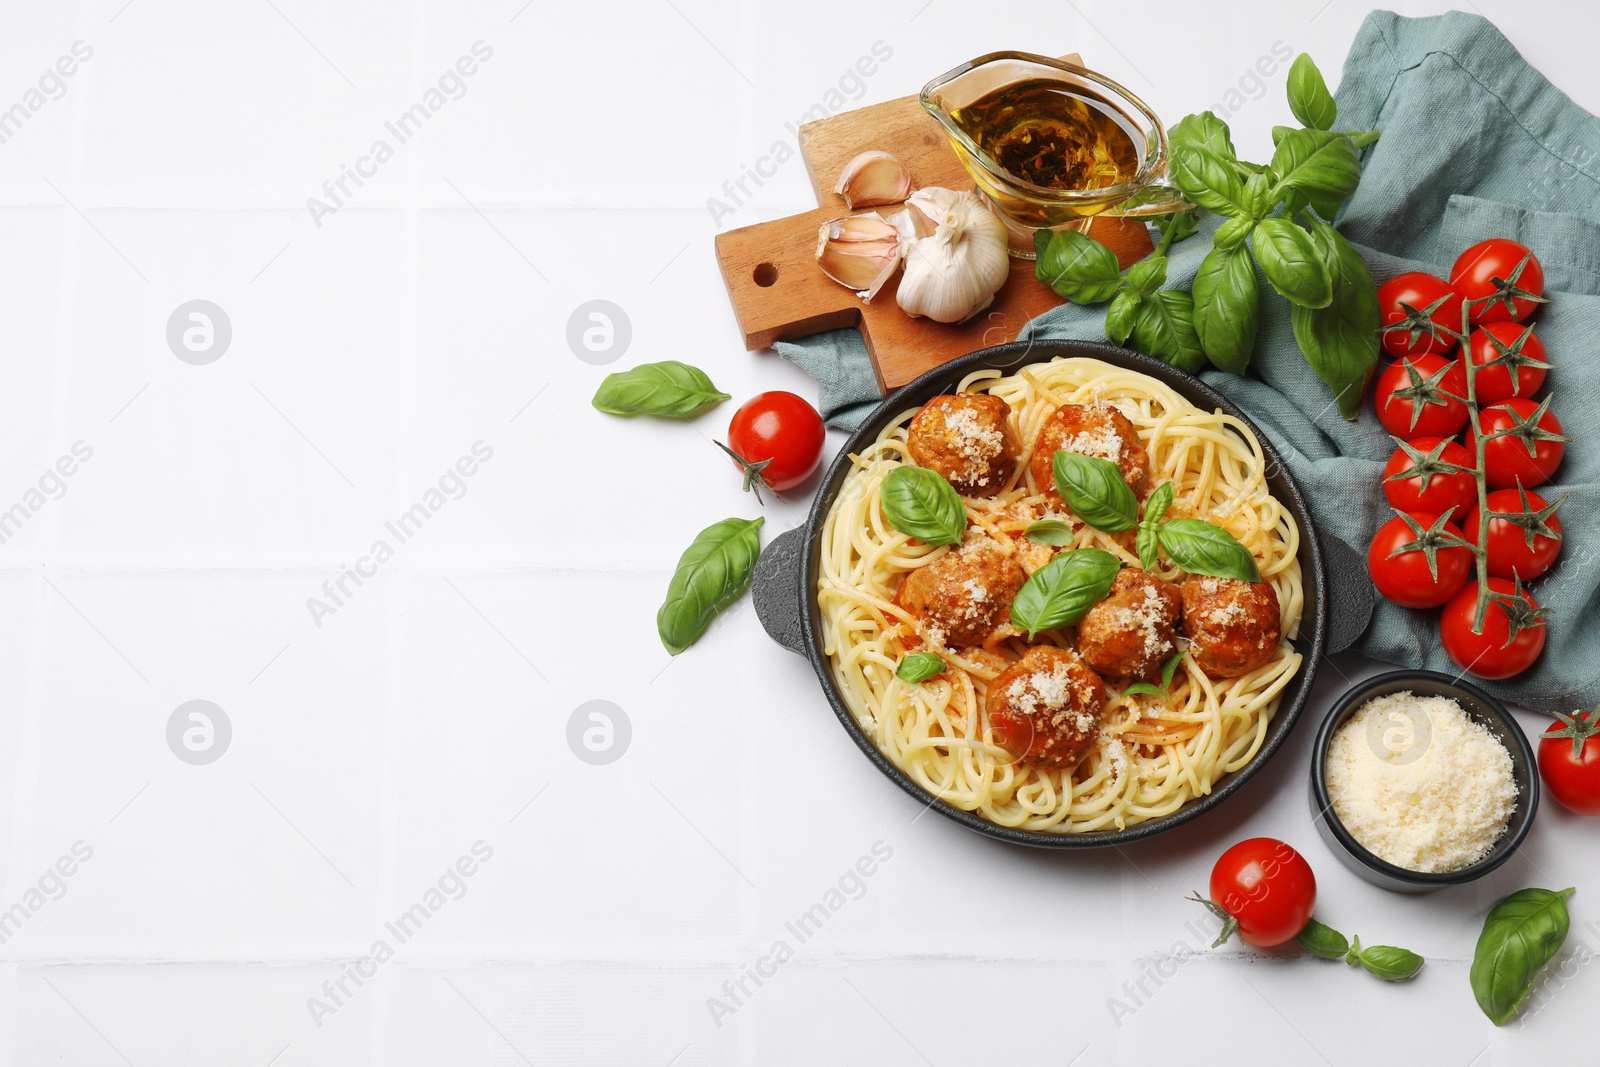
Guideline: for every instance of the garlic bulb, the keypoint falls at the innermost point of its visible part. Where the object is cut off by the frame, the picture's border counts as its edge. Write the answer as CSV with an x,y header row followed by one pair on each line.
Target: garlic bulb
x,y
874,178
956,255
860,252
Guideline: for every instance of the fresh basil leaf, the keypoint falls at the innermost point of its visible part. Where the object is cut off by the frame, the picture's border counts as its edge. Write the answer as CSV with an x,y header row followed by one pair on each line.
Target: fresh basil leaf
x,y
1076,266
1052,532
1227,308
712,573
1309,98
1200,547
1292,263
1093,488
919,667
1279,133
1147,275
669,390
1340,341
1323,941
1318,167
1142,687
1232,233
1063,590
1204,130
1121,316
1522,933
1155,508
919,502
1390,963
1258,196
1165,329
1169,669
1208,179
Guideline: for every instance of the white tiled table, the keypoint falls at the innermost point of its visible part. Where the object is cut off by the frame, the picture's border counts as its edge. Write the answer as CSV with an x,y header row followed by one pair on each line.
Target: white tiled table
x,y
425,715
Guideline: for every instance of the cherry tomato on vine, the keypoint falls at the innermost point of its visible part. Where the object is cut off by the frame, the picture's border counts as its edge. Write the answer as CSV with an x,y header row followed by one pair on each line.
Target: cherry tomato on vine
x,y
1511,555
1429,488
1507,460
1511,359
1420,314
1397,560
1569,761
1411,401
778,437
1513,630
1263,889
1504,276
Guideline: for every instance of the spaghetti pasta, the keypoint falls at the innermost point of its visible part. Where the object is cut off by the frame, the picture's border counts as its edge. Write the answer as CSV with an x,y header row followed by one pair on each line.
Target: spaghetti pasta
x,y
1153,753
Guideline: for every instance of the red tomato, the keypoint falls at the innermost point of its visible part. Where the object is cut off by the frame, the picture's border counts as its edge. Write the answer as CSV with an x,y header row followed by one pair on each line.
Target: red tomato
x,y
1265,888
1497,652
1503,277
1511,555
1435,491
1420,314
778,436
1409,397
1569,761
1512,360
1402,574
1506,460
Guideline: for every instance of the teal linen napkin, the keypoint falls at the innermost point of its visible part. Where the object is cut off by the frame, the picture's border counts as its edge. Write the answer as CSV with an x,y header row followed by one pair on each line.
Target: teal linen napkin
x,y
1476,144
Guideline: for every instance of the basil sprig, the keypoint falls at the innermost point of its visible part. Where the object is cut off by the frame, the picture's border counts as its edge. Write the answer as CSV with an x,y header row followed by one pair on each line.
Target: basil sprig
x,y
918,667
668,390
712,573
1063,590
1095,491
1155,509
1273,218
1385,961
1200,547
1168,669
919,502
1522,933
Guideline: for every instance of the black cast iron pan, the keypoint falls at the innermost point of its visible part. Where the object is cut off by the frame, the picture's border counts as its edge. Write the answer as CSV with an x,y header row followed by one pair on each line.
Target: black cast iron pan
x,y
786,579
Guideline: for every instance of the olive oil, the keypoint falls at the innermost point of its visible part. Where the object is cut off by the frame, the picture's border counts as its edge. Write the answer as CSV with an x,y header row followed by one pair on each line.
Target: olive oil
x,y
1053,135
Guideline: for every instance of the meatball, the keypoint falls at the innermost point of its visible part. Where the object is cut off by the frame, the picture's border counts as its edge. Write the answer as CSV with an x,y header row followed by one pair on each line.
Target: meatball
x,y
1132,631
1045,709
1101,431
964,594
1232,625
966,438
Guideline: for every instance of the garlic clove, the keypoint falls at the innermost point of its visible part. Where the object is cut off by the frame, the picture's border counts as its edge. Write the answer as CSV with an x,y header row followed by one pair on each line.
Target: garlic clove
x,y
953,272
873,178
860,252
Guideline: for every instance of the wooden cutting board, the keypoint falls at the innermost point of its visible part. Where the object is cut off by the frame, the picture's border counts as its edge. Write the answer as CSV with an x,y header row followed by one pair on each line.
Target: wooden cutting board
x,y
779,293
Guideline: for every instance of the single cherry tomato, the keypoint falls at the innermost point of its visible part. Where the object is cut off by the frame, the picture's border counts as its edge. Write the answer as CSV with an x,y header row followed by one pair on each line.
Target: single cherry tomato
x,y
1518,548
1510,358
1398,560
1420,314
1411,397
778,437
1513,630
1569,761
1501,280
1509,461
1430,488
1264,889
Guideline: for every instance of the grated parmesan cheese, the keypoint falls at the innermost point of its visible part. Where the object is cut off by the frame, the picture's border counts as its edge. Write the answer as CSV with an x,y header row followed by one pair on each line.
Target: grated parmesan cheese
x,y
1419,783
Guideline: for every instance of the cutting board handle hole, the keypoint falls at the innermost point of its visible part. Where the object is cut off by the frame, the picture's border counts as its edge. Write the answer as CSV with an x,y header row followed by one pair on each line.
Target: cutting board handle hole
x,y
765,274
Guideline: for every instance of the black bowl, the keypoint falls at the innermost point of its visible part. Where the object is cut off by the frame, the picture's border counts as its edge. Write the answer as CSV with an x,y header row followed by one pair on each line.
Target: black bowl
x,y
1483,708
785,582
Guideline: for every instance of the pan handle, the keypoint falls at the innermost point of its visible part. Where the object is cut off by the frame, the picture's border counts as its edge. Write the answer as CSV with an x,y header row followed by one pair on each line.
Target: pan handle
x,y
776,588
1350,594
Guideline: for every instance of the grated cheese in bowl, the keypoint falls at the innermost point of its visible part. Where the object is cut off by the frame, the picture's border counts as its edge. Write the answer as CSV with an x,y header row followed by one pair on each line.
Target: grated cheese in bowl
x,y
1419,783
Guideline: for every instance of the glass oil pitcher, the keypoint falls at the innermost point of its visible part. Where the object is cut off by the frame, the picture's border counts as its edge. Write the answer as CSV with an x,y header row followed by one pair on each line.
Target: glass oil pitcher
x,y
1050,144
